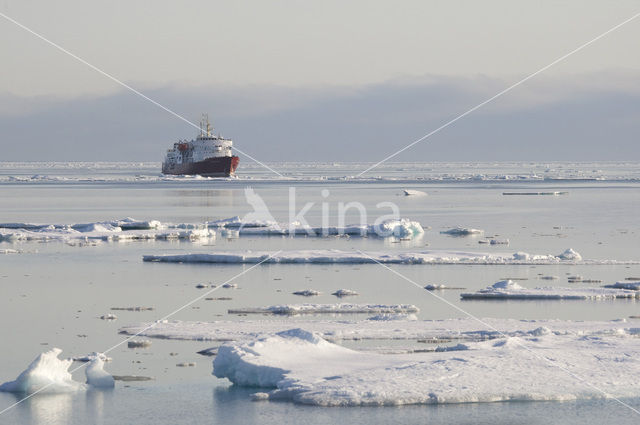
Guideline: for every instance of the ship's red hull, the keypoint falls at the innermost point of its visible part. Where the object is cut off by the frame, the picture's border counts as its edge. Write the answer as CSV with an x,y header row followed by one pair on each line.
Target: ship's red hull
x,y
222,166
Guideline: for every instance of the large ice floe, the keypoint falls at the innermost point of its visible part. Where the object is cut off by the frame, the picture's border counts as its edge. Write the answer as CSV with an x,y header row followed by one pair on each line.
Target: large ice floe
x,y
131,229
334,256
48,373
339,330
301,366
510,290
340,308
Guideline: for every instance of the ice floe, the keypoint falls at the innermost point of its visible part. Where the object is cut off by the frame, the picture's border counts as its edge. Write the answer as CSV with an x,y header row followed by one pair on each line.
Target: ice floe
x,y
507,289
344,293
307,293
302,367
48,373
462,231
432,330
129,229
291,309
334,256
630,285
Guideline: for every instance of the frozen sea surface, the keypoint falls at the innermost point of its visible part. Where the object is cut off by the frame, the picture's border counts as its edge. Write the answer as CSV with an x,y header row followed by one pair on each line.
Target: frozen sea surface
x,y
54,293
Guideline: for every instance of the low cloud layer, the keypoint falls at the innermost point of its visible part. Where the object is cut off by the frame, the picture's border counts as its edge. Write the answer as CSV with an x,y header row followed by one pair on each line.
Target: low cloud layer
x,y
589,117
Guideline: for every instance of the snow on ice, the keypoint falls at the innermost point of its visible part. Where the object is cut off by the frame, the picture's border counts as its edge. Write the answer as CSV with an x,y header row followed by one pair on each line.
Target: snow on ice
x,y
508,289
334,256
292,309
450,329
302,367
131,229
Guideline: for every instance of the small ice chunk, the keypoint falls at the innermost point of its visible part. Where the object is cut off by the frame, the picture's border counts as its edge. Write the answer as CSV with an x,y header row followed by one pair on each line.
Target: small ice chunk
x,y
344,293
571,255
393,316
143,343
506,285
97,376
47,373
259,396
307,293
634,286
499,242
89,357
462,231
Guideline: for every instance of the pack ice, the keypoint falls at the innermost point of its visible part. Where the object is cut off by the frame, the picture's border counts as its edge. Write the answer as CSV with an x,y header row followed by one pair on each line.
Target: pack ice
x,y
508,289
48,373
334,256
131,229
302,367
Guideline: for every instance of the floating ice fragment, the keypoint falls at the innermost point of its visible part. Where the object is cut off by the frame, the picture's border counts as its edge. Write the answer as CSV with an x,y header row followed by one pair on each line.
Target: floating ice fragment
x,y
506,284
344,293
47,373
462,231
634,286
510,290
91,356
307,293
97,376
570,254
144,343
341,308
391,316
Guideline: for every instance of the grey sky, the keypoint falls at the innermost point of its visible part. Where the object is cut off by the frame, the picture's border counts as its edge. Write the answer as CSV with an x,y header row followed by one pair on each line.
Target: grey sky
x,y
324,80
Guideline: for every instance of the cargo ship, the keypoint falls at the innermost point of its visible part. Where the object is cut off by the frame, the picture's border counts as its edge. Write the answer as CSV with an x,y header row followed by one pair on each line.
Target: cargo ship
x,y
207,155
